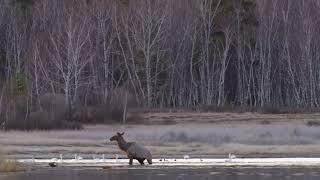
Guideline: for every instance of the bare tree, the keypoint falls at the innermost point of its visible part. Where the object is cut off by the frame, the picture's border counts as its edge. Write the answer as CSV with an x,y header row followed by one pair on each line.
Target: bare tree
x,y
71,50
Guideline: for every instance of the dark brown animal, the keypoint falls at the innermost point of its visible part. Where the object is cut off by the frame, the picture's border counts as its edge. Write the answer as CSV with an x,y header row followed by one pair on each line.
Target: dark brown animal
x,y
52,164
133,150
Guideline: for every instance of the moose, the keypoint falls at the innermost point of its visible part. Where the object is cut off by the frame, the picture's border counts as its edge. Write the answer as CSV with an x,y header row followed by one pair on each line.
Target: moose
x,y
133,150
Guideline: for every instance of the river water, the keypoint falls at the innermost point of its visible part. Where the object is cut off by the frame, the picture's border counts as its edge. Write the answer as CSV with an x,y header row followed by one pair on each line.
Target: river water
x,y
168,173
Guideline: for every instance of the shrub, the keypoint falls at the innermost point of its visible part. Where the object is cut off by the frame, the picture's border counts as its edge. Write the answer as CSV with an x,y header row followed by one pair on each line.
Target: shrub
x,y
52,115
227,108
17,112
44,120
120,96
135,118
54,104
7,165
104,115
265,122
39,120
97,114
109,113
10,166
313,123
71,125
114,114
85,115
264,110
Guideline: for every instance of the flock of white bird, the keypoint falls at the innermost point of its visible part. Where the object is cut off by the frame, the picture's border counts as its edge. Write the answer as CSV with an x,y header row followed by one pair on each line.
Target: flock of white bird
x,y
185,160
116,156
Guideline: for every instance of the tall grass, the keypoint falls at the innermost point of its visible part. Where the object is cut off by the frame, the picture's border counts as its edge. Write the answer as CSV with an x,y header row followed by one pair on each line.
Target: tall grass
x,y
10,165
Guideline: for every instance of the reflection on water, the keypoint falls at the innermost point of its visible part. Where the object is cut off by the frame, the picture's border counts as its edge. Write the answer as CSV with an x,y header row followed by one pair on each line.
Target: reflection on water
x,y
168,174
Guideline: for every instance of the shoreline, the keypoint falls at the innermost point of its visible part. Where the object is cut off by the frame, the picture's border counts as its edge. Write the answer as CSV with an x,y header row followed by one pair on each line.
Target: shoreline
x,y
212,135
192,162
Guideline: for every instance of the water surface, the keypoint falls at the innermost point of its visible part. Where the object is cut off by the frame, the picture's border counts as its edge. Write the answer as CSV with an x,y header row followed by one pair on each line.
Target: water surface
x,y
169,173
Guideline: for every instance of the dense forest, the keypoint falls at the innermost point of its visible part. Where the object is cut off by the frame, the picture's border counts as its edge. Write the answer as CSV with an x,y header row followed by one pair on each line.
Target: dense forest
x,y
59,58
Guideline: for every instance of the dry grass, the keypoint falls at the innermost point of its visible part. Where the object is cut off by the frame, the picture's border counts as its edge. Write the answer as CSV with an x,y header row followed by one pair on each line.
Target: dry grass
x,y
224,117
169,140
10,165
211,134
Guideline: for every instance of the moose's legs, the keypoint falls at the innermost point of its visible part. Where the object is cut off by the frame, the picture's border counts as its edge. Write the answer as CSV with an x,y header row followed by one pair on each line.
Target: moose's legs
x,y
141,160
130,159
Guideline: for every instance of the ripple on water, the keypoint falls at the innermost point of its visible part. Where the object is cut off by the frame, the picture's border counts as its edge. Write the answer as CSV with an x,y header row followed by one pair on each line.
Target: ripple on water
x,y
172,174
264,174
314,174
298,174
214,173
161,174
241,174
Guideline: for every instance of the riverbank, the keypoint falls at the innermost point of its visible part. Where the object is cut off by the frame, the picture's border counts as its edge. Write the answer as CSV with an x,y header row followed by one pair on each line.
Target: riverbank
x,y
177,134
162,163
169,173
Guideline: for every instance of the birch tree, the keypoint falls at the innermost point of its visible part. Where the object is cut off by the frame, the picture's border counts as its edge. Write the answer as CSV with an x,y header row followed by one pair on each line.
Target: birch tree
x,y
71,50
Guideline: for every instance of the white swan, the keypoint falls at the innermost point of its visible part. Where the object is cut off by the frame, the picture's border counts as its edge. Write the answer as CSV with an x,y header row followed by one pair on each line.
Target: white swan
x,y
77,157
230,157
61,159
186,156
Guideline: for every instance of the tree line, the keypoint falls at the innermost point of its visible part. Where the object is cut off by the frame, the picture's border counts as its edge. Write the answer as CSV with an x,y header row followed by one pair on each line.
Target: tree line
x,y
159,54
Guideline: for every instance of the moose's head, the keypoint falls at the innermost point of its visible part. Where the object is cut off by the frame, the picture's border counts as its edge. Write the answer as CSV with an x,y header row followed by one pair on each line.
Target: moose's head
x,y
117,137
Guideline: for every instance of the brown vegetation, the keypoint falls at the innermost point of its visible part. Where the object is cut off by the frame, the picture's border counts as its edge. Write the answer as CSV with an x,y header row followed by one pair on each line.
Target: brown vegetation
x,y
9,165
64,63
52,114
195,134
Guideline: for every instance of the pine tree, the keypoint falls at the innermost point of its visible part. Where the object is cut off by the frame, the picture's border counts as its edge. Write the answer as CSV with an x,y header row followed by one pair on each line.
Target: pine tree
x,y
23,4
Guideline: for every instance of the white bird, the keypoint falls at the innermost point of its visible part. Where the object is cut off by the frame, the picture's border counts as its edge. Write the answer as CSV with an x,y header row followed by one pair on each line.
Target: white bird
x,y
54,159
3,125
94,158
77,157
201,159
186,156
60,158
162,159
232,156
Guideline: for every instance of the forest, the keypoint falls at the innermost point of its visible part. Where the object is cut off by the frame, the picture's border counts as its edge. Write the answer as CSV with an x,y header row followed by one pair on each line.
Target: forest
x,y
64,62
